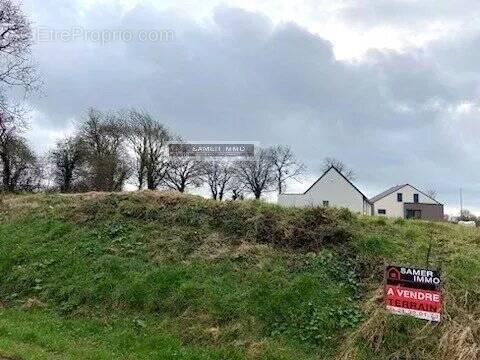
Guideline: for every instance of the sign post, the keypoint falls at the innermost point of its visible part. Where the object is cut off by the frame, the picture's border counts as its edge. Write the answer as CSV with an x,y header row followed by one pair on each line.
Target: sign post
x,y
413,291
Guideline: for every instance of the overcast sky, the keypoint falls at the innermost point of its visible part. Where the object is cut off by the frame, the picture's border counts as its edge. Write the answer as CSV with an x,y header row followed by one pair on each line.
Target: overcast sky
x,y
390,87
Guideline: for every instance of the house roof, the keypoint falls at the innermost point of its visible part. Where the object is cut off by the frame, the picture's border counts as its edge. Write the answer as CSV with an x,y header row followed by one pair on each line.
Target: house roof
x,y
339,172
396,188
387,192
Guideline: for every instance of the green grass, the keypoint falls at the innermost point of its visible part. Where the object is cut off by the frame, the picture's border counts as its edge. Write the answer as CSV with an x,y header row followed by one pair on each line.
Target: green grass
x,y
163,276
44,334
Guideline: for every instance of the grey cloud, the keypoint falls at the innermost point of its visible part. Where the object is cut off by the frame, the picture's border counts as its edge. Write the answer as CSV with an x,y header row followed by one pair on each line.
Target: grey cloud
x,y
371,13
242,24
238,76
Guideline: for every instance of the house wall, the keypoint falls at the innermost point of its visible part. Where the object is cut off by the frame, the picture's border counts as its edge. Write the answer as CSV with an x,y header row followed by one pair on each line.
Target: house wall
x,y
367,208
395,208
297,200
429,211
332,187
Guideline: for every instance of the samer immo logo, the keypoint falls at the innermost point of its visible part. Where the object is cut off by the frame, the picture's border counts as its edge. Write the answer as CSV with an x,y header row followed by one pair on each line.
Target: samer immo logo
x,y
204,149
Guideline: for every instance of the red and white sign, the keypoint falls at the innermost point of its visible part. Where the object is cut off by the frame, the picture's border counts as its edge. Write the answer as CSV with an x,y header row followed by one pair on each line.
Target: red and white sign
x,y
414,292
423,304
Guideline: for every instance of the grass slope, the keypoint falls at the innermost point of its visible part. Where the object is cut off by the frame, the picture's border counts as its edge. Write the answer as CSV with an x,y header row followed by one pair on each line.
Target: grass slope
x,y
165,276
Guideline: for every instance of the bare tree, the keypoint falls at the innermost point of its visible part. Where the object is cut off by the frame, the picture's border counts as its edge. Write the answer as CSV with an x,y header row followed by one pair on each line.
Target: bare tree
x,y
285,165
467,215
18,165
67,159
183,172
12,118
432,193
12,126
148,139
328,162
236,187
218,174
103,136
16,65
257,174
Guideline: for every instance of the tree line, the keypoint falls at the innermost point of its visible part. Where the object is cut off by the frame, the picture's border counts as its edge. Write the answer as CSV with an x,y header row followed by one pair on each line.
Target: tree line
x,y
109,148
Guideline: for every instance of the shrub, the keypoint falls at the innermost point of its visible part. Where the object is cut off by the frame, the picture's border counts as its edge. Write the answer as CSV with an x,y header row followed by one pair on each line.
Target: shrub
x,y
309,228
319,226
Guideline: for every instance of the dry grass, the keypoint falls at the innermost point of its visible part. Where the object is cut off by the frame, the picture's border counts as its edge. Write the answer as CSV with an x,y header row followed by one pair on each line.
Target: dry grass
x,y
19,203
456,337
213,247
371,330
460,333
33,303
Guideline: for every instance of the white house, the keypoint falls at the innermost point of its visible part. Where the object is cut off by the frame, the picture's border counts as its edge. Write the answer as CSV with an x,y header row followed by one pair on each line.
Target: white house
x,y
331,189
406,201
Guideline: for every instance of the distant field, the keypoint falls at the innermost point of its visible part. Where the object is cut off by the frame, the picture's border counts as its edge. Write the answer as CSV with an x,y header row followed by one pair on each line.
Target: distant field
x,y
166,276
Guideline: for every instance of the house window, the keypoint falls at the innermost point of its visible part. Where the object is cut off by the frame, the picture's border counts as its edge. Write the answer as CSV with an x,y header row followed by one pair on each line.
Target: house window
x,y
382,212
413,214
399,197
415,198
326,203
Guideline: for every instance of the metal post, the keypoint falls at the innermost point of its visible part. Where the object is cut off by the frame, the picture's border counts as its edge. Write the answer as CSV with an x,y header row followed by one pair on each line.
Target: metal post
x,y
461,203
429,253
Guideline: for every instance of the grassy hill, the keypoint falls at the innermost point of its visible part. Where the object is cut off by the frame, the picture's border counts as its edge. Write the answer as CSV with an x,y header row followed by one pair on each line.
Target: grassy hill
x,y
166,276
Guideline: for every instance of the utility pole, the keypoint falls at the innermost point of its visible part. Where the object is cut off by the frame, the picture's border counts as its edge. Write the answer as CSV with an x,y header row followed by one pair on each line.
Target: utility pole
x,y
461,203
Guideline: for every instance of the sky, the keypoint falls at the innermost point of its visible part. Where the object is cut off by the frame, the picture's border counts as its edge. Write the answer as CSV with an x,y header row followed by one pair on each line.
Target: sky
x,y
389,87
